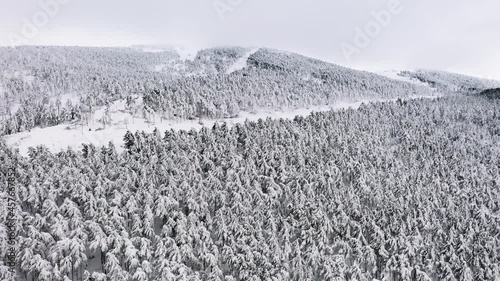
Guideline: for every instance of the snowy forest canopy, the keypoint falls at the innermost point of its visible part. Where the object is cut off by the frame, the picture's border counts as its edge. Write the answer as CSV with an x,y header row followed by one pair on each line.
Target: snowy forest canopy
x,y
406,190
44,86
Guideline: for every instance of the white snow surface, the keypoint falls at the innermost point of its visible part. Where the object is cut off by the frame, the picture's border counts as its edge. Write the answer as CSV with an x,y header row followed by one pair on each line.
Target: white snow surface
x,y
73,98
390,73
184,52
187,53
393,74
152,50
241,63
60,137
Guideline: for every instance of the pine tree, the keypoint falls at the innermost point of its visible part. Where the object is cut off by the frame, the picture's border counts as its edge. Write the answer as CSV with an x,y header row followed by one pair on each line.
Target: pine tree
x,y
129,140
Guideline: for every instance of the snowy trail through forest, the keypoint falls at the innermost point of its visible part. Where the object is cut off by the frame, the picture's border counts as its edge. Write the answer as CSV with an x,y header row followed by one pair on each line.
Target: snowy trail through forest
x,y
60,137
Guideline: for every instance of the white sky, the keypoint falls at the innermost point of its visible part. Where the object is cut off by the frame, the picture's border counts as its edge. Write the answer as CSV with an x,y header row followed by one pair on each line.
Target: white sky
x,y
454,35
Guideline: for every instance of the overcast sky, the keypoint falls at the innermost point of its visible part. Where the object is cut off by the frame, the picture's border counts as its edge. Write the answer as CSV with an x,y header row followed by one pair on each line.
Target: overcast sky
x,y
454,35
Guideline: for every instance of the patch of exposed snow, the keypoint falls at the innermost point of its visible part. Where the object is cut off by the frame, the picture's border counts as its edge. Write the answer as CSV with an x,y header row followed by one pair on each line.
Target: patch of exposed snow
x,y
152,50
73,98
309,77
159,67
241,63
15,108
394,74
24,75
391,73
186,53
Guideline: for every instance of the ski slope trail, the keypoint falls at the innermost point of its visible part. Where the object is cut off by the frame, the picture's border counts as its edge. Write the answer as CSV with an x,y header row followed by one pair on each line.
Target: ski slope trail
x,y
241,63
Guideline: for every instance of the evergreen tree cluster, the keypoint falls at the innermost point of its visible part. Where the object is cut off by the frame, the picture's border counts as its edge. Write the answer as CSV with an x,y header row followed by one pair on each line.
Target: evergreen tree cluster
x,y
491,93
405,190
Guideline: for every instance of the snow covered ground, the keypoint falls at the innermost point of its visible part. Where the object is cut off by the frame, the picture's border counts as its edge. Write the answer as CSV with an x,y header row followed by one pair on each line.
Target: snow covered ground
x,y
390,73
73,98
393,74
184,52
60,137
187,53
241,63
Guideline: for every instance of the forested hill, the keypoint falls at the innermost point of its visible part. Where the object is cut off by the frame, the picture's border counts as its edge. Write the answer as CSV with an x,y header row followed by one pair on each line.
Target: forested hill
x,y
274,79
451,82
46,86
405,190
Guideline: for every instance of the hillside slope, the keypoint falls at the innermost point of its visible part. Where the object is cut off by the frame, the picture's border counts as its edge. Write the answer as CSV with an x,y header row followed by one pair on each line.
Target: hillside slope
x,y
48,86
451,82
